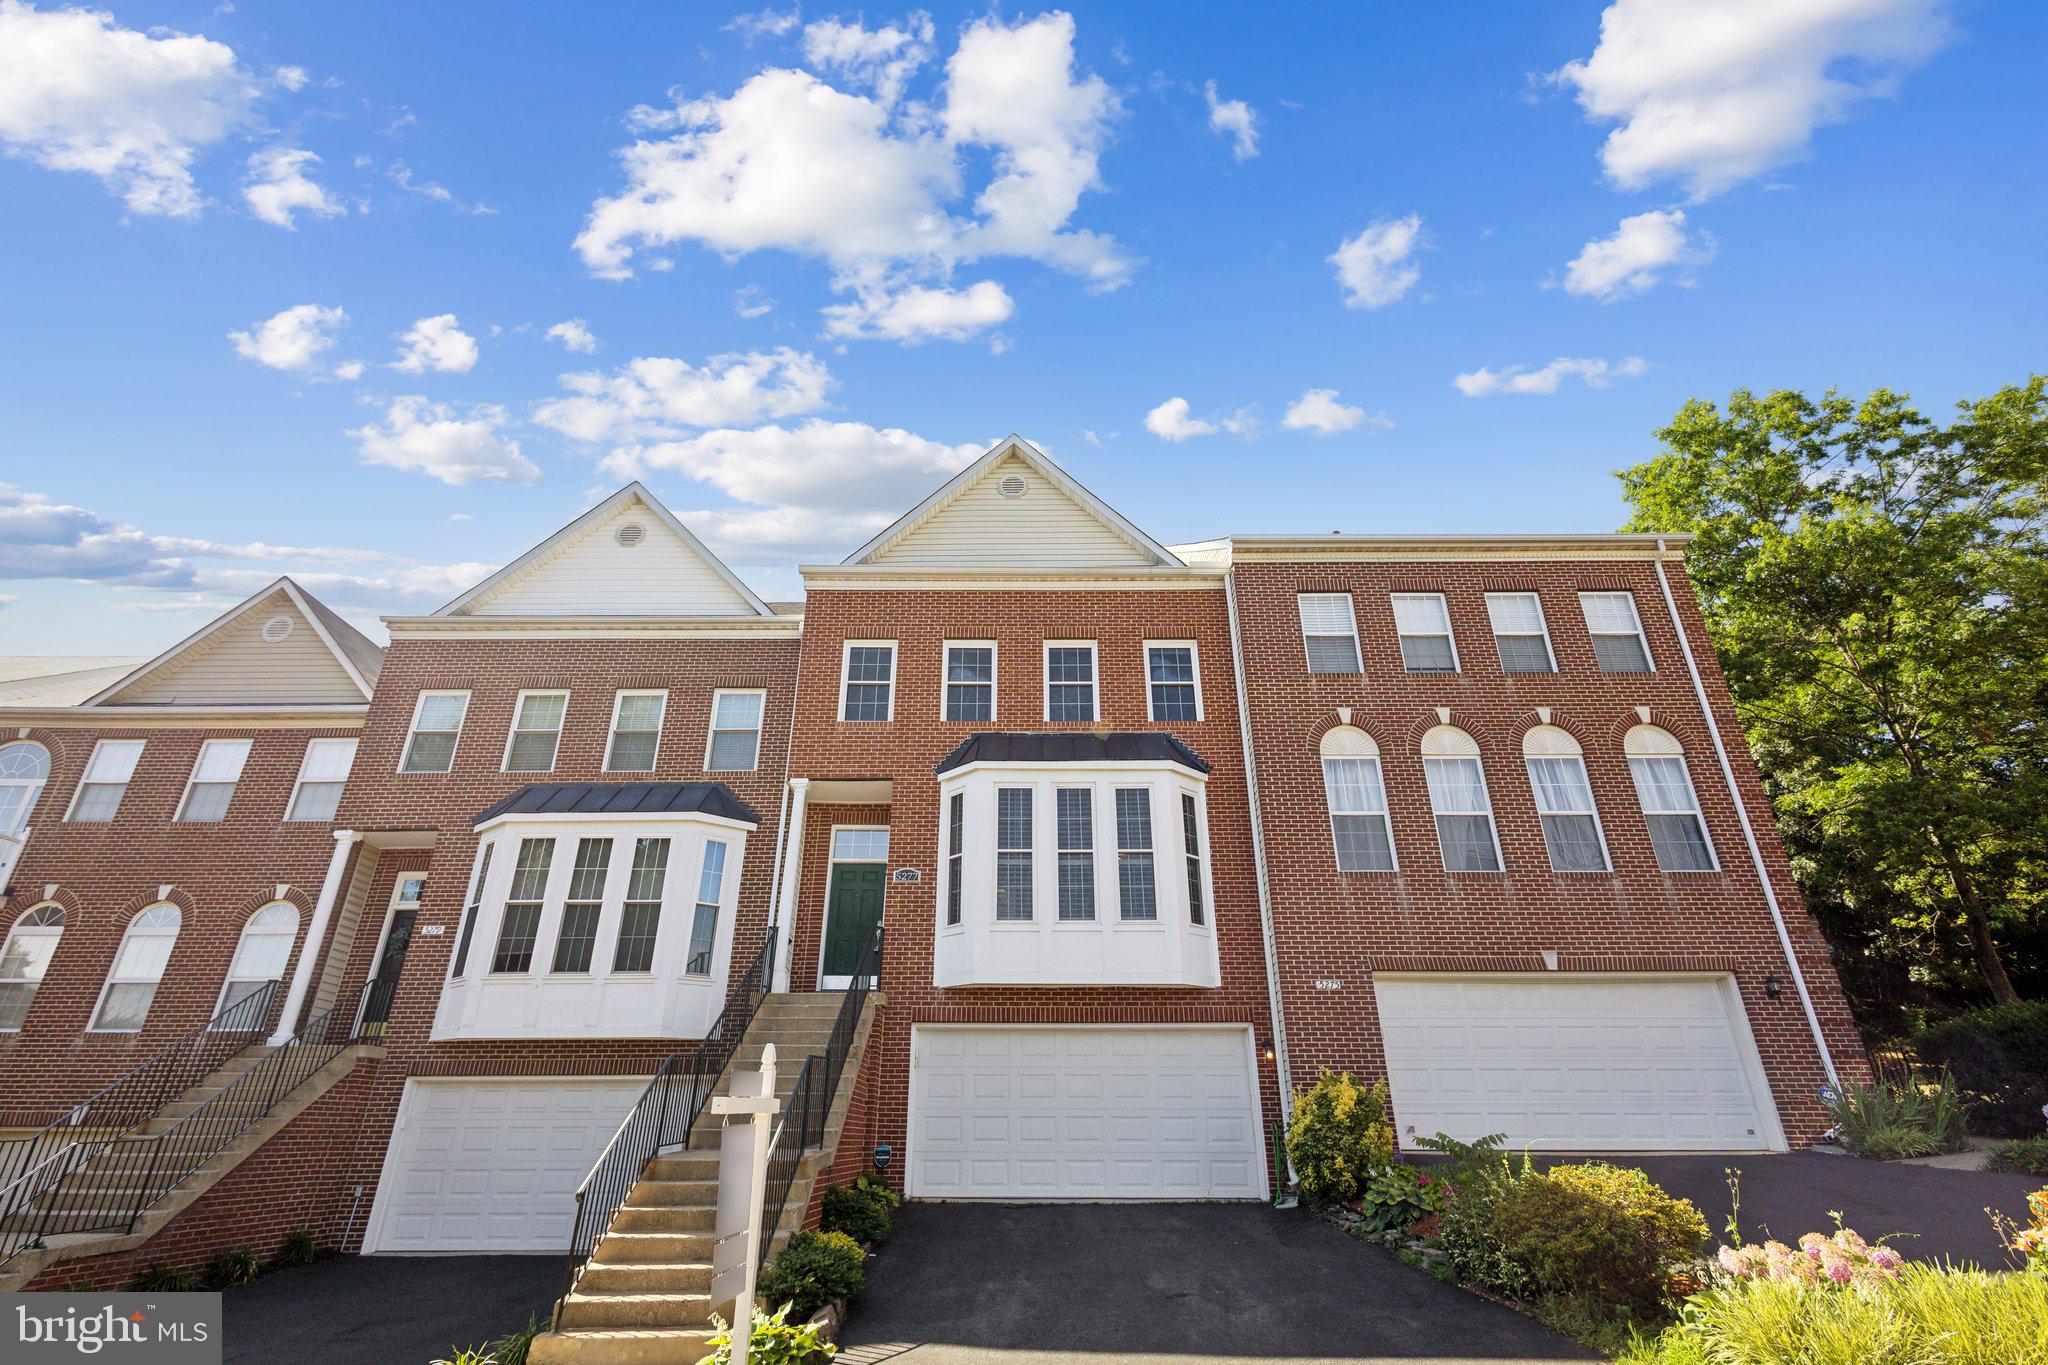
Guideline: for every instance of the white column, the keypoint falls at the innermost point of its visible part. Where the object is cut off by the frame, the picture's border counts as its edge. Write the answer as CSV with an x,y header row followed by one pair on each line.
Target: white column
x,y
345,841
792,866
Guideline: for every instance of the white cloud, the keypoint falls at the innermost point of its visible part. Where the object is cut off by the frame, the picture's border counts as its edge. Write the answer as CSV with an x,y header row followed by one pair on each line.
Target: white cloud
x,y
919,313
294,339
1713,94
881,59
763,23
751,301
456,446
80,93
278,187
1636,258
349,369
1520,379
7,599
436,343
1235,120
1318,410
1170,422
574,335
1377,267
656,397
790,163
292,78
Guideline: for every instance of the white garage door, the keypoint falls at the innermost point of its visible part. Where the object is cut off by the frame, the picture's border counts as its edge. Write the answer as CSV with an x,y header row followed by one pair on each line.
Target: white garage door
x,y
1577,1064
1084,1113
493,1165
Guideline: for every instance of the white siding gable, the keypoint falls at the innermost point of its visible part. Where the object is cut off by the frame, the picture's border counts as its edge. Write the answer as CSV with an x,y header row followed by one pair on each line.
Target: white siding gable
x,y
592,574
237,666
1045,525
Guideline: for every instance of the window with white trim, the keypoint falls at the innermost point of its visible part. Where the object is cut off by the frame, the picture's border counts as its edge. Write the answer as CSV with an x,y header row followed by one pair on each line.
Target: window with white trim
x,y
867,686
635,741
576,938
704,924
1618,643
1172,681
212,785
1564,800
1014,846
956,849
1137,884
1329,632
735,743
1360,831
1191,849
24,768
260,957
640,920
31,943
138,966
323,775
1423,621
1458,798
1074,817
970,681
1671,807
520,924
436,726
469,912
107,774
536,732
1070,680
1520,633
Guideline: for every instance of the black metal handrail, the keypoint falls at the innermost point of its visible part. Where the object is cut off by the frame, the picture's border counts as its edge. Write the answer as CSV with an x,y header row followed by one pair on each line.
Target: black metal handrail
x,y
665,1113
32,1167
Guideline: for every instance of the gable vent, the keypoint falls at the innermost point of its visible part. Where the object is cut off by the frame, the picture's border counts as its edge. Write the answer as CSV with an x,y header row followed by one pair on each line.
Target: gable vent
x,y
277,629
629,535
1012,486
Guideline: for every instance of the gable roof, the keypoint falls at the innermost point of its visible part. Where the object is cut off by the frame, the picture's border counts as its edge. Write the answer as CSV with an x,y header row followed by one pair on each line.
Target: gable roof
x,y
340,667
520,589
1063,497
59,679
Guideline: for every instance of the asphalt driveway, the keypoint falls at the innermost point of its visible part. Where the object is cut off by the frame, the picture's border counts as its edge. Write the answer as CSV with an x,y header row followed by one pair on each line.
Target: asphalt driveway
x,y
982,1284
391,1310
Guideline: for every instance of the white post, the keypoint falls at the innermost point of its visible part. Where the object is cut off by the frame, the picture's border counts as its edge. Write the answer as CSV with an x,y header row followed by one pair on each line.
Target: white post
x,y
792,867
345,841
742,1185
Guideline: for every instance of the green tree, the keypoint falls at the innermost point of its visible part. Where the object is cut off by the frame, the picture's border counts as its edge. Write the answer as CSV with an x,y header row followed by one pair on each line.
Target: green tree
x,y
1876,589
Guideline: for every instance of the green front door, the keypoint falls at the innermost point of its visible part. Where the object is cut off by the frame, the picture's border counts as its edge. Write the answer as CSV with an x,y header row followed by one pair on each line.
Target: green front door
x,y
853,907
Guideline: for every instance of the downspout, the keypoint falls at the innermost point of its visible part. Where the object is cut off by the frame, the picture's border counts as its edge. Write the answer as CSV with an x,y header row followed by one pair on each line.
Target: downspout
x,y
1281,1073
1756,852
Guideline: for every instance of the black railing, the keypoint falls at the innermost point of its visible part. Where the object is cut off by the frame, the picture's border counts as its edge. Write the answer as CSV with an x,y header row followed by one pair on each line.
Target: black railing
x,y
665,1113
31,1168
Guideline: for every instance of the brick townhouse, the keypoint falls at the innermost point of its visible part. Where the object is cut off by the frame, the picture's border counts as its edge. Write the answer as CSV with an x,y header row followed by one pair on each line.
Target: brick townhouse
x,y
1150,835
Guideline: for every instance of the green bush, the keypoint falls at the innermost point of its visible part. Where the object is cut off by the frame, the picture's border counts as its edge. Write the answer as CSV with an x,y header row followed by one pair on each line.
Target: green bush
x,y
298,1248
233,1267
815,1269
1928,1314
878,1190
1894,1117
1600,1230
776,1341
1999,1056
158,1278
510,1349
1391,1199
1338,1136
1464,1228
2028,1156
855,1211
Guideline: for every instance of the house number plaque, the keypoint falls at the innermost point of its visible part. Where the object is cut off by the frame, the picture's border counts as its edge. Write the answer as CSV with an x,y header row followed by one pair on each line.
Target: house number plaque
x,y
907,874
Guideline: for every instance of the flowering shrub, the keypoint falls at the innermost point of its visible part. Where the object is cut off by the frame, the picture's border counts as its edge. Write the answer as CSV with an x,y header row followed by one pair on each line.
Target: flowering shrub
x,y
1339,1136
2029,1245
1843,1258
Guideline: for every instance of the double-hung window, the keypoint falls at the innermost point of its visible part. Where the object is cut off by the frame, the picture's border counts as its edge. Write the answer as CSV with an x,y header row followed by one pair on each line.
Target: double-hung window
x,y
521,922
1423,622
1172,682
1191,846
436,726
1329,632
1457,796
970,681
1359,831
1070,680
1564,801
735,743
1014,853
1137,885
640,919
258,963
323,772
213,781
536,732
31,943
867,687
1519,632
107,774
1617,632
576,940
635,740
138,967
469,913
704,925
1075,809
956,850
1671,807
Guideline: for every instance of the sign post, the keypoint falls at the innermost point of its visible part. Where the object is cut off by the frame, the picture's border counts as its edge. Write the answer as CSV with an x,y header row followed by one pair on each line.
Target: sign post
x,y
742,1182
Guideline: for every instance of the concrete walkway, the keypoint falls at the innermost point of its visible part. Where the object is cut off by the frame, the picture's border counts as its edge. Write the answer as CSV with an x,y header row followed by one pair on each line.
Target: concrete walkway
x,y
386,1310
991,1284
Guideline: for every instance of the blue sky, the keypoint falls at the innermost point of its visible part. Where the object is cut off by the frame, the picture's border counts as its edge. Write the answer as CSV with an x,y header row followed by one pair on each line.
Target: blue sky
x,y
855,248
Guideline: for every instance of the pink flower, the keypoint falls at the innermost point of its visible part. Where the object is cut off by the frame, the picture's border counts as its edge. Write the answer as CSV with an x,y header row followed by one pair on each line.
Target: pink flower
x,y
1840,1273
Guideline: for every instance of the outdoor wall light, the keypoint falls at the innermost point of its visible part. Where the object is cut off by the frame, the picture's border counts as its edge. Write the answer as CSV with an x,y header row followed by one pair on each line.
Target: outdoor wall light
x,y
1771,986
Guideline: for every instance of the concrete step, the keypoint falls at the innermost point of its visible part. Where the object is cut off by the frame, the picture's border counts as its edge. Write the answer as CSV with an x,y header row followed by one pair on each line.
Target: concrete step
x,y
665,1218
651,1192
683,1166
581,1310
647,1277
669,1347
642,1248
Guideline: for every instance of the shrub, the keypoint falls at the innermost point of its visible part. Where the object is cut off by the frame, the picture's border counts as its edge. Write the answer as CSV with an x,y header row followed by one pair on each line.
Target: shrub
x,y
2027,1246
1600,1230
1895,1117
1339,1135
158,1278
815,1269
855,1211
2028,1156
234,1267
298,1248
1467,1159
878,1190
1999,1057
1843,1258
776,1341
1393,1198
1463,1231
510,1349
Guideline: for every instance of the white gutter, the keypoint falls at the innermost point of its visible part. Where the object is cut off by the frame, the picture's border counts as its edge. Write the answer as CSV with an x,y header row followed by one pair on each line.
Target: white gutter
x,y
1756,852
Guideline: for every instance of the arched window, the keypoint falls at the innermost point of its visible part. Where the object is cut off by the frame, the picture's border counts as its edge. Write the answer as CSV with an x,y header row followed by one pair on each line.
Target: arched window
x,y
1564,800
1670,806
24,767
259,960
1457,794
1358,802
138,966
30,944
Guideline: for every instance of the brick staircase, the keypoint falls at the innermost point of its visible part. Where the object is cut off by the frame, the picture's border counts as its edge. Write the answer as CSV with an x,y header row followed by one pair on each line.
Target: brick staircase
x,y
645,1294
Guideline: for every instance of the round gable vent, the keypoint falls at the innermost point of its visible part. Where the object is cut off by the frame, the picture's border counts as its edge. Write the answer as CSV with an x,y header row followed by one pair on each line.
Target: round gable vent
x,y
1012,486
276,629
629,535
